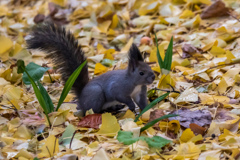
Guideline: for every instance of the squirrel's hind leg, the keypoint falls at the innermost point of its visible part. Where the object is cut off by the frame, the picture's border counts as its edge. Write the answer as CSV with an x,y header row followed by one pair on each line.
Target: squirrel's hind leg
x,y
92,97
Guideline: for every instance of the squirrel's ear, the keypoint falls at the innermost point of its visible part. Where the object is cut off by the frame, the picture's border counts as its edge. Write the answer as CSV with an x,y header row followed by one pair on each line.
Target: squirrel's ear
x,y
134,57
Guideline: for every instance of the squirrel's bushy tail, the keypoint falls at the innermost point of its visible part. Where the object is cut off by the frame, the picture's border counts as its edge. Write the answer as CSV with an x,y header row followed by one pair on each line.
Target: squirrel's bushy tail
x,y
63,49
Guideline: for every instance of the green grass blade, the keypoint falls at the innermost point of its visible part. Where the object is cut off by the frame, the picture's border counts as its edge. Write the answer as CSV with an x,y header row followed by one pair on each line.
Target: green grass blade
x,y
153,103
46,97
69,84
168,56
150,124
160,61
39,96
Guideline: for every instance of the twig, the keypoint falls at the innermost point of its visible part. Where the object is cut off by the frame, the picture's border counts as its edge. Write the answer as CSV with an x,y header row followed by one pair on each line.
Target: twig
x,y
230,14
173,90
72,139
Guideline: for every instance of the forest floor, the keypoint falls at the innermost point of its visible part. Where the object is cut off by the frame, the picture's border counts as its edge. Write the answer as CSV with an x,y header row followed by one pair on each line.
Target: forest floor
x,y
205,71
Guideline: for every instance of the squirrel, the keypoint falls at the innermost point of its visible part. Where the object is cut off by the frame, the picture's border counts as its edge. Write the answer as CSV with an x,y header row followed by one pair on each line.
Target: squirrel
x,y
114,87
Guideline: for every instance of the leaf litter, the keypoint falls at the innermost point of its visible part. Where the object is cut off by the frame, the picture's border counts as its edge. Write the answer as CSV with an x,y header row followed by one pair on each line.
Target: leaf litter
x,y
205,69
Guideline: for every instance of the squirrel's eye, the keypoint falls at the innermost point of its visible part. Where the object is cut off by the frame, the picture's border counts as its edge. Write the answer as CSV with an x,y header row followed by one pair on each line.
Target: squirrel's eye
x,y
141,73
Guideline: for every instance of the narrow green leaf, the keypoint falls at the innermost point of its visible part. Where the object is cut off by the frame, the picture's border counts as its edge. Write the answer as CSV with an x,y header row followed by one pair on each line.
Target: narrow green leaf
x,y
153,103
69,84
35,71
160,61
39,96
168,56
150,124
35,158
46,97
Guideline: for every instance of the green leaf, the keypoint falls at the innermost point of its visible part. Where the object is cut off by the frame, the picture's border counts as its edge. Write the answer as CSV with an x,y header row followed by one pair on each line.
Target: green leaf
x,y
21,66
150,124
35,71
49,104
153,103
69,84
39,96
67,135
35,158
126,137
156,141
107,62
168,56
160,61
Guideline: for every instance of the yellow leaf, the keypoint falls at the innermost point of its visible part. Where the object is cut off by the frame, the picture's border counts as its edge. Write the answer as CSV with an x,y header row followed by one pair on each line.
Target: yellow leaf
x,y
196,138
100,49
59,2
3,11
210,99
100,69
195,22
6,44
129,114
186,14
109,126
229,55
106,11
103,27
217,51
57,118
187,135
153,55
126,48
230,76
208,2
114,21
187,150
156,69
22,132
15,103
108,54
222,86
185,70
210,45
12,92
225,134
148,8
189,95
174,125
165,80
16,50
24,154
163,125
50,147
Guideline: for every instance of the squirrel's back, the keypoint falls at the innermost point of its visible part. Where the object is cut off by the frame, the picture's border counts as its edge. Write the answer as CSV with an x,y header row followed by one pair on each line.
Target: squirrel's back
x,y
63,49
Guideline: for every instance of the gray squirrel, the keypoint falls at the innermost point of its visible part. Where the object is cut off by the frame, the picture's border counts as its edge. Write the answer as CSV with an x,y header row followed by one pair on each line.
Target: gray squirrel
x,y
118,86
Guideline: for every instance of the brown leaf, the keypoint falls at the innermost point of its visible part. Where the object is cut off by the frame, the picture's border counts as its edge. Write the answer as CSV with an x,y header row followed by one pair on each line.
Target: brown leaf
x,y
186,117
91,121
197,129
154,115
39,18
217,9
188,48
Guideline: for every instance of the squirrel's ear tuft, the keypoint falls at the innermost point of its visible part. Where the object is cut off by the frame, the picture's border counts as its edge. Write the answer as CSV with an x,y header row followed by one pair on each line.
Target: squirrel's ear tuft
x,y
134,57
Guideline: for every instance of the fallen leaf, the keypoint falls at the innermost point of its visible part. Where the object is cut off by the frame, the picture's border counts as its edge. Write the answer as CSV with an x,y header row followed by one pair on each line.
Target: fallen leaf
x,y
217,9
186,117
91,121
